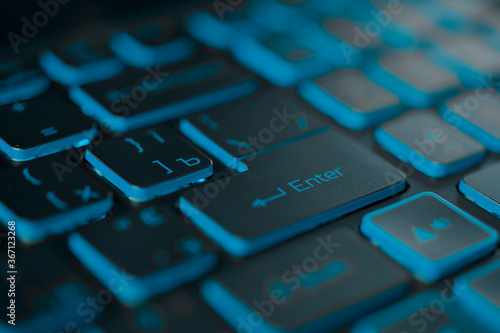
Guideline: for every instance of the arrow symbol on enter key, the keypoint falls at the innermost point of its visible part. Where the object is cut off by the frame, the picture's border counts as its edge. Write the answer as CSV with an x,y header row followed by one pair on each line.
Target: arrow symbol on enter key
x,y
263,202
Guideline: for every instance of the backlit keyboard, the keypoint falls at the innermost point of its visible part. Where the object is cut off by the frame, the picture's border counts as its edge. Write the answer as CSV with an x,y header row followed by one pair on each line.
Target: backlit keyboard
x,y
259,166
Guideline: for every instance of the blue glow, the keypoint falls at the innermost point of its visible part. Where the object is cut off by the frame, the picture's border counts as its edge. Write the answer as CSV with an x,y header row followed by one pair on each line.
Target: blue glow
x,y
469,298
76,140
424,164
243,247
31,231
239,314
424,268
25,90
68,75
140,288
204,142
486,139
136,54
342,113
479,199
409,95
95,110
146,193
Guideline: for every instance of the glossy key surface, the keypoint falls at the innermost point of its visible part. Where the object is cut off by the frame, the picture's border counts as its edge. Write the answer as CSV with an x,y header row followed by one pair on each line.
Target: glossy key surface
x,y
149,163
429,236
288,191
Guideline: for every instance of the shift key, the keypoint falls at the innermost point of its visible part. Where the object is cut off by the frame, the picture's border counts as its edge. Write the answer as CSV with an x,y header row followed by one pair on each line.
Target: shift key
x,y
289,191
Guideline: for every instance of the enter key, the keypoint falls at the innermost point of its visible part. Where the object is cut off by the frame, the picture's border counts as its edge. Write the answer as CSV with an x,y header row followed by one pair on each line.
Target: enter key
x,y
289,191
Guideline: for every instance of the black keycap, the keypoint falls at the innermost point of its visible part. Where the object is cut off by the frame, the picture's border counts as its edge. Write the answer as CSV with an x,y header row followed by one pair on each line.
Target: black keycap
x,y
288,191
180,311
429,144
48,197
417,81
429,236
483,188
169,256
43,125
80,60
51,293
140,98
351,99
149,163
19,81
154,42
318,283
475,112
232,133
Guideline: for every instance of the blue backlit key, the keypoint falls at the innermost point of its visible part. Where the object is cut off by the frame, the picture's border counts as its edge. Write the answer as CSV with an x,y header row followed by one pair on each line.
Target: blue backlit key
x,y
281,59
416,80
19,82
483,188
319,283
429,144
169,257
53,296
43,125
429,236
80,61
151,43
351,99
476,113
238,132
288,191
149,163
140,98
180,311
48,197
217,30
429,311
478,292
471,59
347,43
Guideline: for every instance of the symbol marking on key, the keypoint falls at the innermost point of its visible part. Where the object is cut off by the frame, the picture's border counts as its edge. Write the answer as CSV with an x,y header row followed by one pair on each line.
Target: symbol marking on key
x,y
423,236
49,131
169,171
135,144
58,203
302,122
205,119
30,178
260,203
86,193
238,143
156,136
18,107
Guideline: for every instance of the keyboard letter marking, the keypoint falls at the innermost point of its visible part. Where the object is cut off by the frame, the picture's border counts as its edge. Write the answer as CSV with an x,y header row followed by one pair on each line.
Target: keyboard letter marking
x,y
135,144
30,178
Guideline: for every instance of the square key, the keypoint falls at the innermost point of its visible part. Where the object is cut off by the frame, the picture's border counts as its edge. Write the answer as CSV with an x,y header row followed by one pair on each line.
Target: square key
x,y
429,144
429,236
478,291
351,99
483,188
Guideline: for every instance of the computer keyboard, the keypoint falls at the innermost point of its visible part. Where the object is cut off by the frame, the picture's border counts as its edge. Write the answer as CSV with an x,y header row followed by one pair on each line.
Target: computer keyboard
x,y
255,166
